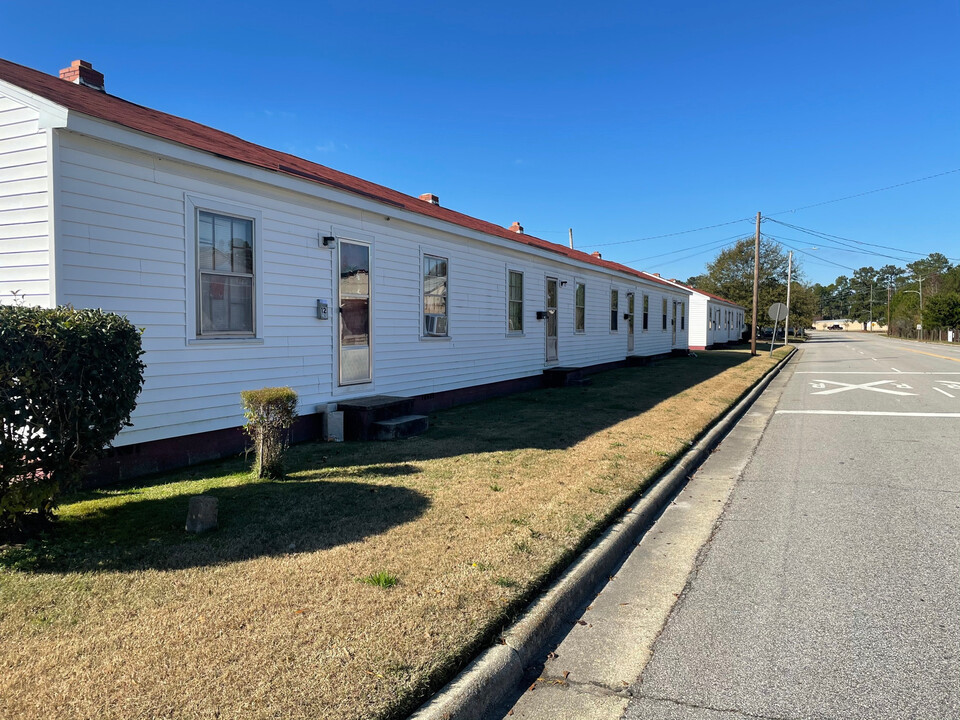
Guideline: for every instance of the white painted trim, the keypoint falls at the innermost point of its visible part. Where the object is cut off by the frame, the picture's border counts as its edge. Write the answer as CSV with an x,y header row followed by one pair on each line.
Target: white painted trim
x,y
55,247
610,315
340,387
439,255
523,304
579,280
192,204
52,115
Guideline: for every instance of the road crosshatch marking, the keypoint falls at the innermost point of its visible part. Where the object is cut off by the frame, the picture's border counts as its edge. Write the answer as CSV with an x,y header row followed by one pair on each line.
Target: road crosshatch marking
x,y
871,387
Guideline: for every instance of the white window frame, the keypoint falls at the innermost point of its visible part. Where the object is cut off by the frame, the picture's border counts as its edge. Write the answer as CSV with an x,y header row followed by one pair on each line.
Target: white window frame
x,y
424,254
645,313
193,204
577,284
665,307
614,312
523,291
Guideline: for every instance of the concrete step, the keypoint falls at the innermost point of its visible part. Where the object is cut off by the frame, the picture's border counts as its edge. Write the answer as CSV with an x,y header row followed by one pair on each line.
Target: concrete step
x,y
400,427
563,376
360,414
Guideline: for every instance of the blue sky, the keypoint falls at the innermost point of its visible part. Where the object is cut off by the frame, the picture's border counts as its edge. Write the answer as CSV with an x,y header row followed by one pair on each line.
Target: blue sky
x,y
622,120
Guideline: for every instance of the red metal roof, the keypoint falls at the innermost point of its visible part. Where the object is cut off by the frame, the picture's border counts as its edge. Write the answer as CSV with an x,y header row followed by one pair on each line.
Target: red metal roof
x,y
690,287
113,109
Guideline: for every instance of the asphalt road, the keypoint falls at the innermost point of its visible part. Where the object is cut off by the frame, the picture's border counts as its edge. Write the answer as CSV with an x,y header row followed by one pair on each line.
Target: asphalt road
x,y
831,585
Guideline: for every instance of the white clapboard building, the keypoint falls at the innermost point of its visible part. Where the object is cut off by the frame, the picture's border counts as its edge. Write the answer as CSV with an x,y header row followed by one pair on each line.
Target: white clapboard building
x,y
713,319
248,267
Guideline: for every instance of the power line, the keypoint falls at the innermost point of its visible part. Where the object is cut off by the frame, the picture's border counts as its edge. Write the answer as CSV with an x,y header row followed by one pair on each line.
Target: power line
x,y
816,258
848,249
825,236
687,257
692,247
868,192
673,234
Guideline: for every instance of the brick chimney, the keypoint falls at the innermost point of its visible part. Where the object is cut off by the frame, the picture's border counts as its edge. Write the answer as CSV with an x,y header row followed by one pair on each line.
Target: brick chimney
x,y
516,227
430,198
596,254
82,73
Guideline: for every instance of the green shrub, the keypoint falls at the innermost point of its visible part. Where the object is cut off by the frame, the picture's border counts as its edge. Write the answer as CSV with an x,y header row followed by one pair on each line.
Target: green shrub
x,y
69,380
270,412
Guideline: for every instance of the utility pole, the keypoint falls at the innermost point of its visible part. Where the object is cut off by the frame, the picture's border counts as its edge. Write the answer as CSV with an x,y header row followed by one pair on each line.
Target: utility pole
x,y
756,287
571,238
786,326
920,333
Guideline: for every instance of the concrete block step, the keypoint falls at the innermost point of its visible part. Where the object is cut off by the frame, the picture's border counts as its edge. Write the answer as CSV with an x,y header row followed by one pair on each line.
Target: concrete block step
x,y
400,427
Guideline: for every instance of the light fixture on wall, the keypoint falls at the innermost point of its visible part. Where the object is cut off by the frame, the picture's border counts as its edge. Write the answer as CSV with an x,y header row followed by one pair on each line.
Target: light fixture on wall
x,y
328,240
563,283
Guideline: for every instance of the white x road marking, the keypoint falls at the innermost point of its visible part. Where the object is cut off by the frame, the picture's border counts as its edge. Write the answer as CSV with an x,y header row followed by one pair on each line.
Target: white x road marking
x,y
844,387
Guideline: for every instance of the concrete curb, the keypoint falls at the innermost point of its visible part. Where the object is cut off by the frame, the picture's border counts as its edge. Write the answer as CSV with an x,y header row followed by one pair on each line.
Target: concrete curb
x,y
486,681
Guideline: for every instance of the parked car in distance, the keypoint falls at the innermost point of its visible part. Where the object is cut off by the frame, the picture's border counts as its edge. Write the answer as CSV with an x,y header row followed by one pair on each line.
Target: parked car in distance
x,y
835,327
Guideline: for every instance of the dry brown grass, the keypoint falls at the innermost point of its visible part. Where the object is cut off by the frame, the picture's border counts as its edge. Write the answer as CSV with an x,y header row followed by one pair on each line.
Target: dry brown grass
x,y
122,616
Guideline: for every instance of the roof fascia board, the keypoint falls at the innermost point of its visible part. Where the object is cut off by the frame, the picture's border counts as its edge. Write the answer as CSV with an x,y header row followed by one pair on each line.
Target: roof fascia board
x,y
52,115
710,298
143,142
678,286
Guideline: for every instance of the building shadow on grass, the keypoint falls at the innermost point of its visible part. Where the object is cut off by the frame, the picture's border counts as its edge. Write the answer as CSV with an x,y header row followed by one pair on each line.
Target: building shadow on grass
x,y
545,419
256,519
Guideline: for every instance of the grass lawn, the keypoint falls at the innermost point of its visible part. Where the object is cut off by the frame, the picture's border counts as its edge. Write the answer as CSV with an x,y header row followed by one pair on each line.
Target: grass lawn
x,y
356,586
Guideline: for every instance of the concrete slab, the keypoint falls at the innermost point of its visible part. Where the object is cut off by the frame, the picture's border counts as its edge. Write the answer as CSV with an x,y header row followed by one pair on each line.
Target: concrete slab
x,y
607,648
554,701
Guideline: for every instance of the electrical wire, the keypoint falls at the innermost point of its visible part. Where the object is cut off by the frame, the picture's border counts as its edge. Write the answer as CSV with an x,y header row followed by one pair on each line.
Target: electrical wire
x,y
687,257
847,249
868,192
823,235
817,259
673,234
692,247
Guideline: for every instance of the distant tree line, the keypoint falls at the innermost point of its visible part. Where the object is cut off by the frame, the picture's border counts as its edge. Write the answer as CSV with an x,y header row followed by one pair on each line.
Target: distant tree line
x,y
934,276
860,298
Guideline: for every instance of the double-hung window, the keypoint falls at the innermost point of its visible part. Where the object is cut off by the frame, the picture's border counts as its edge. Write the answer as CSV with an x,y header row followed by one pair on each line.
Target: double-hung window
x,y
435,290
646,312
225,275
515,301
614,310
683,315
580,309
664,314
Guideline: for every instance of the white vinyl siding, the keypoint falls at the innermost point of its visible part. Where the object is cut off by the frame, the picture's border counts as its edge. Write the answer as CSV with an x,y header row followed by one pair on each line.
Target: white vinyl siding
x,y
25,252
125,217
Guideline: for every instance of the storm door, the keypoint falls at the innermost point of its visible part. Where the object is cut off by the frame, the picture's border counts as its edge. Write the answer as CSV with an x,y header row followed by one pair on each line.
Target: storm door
x,y
630,322
551,320
354,289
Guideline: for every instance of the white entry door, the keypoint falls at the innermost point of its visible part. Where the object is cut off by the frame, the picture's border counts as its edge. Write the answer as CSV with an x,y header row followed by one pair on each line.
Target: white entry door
x,y
354,337
551,320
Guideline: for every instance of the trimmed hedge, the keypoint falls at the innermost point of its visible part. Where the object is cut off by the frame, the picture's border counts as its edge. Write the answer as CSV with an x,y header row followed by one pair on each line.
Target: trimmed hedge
x,y
270,412
69,380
